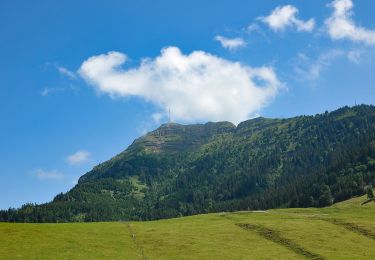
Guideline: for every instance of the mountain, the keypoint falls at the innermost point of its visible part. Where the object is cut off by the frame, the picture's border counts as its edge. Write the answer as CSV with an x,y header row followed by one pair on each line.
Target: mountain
x,y
176,170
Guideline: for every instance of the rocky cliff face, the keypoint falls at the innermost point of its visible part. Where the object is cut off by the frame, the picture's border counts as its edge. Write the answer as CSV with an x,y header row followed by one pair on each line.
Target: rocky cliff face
x,y
174,138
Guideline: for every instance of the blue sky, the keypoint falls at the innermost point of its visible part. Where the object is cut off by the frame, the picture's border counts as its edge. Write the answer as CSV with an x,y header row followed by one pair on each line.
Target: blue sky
x,y
78,81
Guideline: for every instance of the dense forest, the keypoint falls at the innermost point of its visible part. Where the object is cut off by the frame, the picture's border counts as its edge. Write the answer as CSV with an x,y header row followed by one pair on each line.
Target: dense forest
x,y
177,170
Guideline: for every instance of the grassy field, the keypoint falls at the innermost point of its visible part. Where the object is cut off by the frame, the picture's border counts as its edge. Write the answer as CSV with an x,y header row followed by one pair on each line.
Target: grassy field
x,y
343,231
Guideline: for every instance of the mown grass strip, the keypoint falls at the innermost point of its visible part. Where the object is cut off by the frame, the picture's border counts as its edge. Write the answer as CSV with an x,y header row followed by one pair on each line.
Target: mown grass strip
x,y
352,227
275,237
134,239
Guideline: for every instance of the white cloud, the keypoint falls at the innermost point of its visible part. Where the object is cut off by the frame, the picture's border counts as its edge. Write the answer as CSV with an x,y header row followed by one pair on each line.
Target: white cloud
x,y
341,25
355,56
143,130
286,16
307,68
230,43
157,117
79,157
253,27
198,86
48,175
66,72
47,91
311,69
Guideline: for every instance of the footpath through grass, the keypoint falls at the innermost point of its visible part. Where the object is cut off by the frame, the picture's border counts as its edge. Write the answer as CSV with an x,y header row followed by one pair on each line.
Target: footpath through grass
x,y
343,231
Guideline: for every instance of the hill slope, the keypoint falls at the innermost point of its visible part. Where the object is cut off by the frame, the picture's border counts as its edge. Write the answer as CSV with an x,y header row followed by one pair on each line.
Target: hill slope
x,y
343,231
262,163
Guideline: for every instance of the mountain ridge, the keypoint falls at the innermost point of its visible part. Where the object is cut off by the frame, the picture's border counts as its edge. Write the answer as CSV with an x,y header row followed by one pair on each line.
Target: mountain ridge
x,y
261,163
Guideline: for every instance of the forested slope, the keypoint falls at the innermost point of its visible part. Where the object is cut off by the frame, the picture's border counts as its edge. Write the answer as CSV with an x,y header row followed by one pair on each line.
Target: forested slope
x,y
189,169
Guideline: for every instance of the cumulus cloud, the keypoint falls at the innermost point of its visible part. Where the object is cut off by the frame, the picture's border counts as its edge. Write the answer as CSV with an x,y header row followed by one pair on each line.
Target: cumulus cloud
x,y
286,16
195,87
48,175
79,157
230,43
341,25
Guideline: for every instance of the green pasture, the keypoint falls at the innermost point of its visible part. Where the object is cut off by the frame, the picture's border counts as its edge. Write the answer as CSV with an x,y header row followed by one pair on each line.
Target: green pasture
x,y
343,231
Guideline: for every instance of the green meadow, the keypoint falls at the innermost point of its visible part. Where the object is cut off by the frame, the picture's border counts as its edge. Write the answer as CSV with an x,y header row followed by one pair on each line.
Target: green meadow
x,y
345,230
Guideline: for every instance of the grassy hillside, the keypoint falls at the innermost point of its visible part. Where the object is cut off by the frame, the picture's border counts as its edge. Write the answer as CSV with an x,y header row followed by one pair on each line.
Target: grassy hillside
x,y
343,231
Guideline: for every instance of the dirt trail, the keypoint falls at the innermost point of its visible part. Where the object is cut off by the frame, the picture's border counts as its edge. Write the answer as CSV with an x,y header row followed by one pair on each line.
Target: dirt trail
x,y
275,237
136,243
351,227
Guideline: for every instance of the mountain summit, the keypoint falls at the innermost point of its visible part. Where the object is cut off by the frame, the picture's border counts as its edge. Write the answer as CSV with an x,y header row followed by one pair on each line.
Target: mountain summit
x,y
262,163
